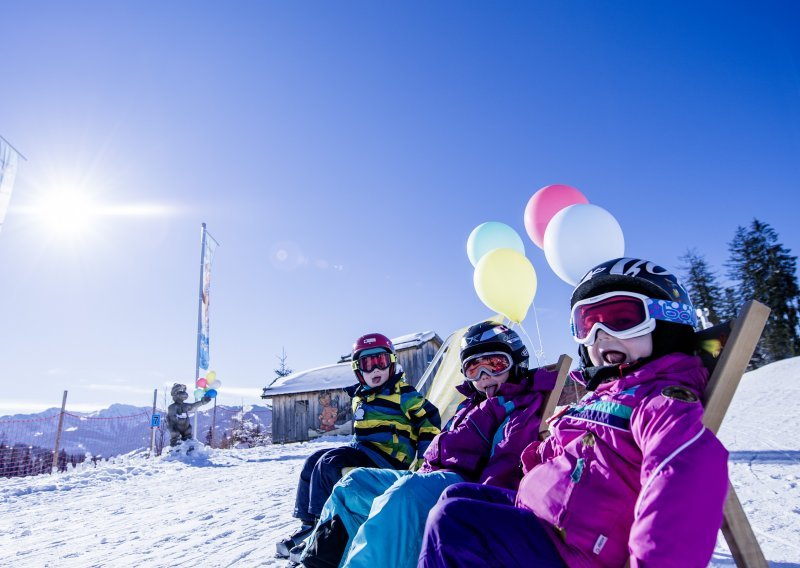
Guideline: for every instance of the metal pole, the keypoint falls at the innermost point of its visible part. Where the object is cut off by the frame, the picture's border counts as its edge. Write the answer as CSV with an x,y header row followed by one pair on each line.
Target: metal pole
x,y
152,426
58,434
12,147
199,319
213,423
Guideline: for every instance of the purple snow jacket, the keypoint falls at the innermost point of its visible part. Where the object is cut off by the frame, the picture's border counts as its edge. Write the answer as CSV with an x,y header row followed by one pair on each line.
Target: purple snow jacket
x,y
630,472
484,440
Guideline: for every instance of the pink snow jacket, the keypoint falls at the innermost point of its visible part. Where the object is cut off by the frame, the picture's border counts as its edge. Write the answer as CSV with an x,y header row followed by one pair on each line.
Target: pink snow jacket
x,y
630,472
485,438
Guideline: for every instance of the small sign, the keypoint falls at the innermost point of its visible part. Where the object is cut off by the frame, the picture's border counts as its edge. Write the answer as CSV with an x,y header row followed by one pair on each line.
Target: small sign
x,y
155,422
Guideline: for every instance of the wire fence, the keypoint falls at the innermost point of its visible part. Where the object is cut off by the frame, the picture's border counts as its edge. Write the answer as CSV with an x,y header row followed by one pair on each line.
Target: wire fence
x,y
60,440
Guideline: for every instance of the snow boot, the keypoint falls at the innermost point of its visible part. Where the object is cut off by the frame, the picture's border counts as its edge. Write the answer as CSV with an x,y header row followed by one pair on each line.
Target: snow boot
x,y
284,547
297,552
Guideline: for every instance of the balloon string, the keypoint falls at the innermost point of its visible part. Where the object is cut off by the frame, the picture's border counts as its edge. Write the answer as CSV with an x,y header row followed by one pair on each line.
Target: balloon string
x,y
538,353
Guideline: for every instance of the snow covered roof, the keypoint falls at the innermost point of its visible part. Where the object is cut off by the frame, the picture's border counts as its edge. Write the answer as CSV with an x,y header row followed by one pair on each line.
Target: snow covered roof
x,y
406,341
336,376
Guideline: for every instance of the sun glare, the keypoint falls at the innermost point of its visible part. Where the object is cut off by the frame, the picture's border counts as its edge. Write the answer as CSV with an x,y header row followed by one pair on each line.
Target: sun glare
x,y
73,214
67,213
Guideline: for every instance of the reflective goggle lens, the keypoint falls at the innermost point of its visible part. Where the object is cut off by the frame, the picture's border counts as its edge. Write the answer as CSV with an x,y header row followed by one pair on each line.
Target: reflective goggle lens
x,y
492,364
617,313
369,363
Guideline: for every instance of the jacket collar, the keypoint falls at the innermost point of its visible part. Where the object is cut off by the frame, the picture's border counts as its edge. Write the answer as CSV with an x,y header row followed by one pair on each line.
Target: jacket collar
x,y
363,390
685,369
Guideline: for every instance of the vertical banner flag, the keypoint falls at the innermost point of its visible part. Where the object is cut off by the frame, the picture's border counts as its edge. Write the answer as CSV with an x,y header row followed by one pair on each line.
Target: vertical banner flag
x,y
8,171
208,246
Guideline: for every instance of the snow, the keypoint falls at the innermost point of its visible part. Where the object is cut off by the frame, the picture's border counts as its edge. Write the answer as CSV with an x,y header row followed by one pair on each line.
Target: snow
x,y
336,376
339,375
229,507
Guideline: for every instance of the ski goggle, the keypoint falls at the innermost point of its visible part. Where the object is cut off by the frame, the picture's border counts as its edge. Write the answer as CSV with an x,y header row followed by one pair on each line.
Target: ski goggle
x,y
369,363
493,364
624,315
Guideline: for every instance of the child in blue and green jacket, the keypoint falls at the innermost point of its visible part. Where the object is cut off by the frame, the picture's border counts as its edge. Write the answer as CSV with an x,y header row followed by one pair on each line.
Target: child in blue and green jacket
x,y
392,424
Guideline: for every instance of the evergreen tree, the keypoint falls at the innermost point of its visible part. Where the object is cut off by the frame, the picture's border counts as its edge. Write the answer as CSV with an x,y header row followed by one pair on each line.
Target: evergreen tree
x,y
729,308
282,371
701,283
766,271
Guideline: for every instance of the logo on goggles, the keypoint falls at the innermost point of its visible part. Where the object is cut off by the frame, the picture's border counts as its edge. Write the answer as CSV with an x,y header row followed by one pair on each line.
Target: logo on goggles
x,y
624,315
493,364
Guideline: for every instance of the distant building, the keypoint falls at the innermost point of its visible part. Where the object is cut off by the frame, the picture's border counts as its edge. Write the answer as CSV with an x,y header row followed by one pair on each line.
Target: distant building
x,y
313,403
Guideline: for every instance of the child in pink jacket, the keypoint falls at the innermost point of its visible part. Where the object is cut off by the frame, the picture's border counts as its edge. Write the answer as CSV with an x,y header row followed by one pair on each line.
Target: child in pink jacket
x,y
629,474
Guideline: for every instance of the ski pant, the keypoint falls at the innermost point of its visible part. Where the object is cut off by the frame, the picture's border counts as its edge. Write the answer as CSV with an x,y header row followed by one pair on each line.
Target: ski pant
x,y
478,526
375,517
320,473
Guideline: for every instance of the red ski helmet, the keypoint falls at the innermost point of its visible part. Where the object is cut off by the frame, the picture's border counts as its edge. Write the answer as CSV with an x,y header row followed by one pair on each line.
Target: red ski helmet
x,y
372,343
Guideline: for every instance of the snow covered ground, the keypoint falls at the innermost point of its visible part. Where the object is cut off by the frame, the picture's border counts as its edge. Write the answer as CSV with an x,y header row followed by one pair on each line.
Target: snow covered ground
x,y
228,507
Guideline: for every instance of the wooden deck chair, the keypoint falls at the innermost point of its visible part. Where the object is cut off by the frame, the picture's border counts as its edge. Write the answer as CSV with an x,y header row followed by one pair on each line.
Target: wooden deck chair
x,y
729,348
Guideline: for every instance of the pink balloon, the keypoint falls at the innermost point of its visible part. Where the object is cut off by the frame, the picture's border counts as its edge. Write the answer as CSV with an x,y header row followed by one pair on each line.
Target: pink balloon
x,y
544,204
202,383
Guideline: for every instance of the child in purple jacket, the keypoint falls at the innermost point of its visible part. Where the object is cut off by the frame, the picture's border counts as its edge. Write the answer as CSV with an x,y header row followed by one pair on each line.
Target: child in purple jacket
x,y
375,517
630,474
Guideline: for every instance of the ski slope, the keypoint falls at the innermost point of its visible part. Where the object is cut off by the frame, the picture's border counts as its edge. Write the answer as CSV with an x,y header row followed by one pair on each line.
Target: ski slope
x,y
228,507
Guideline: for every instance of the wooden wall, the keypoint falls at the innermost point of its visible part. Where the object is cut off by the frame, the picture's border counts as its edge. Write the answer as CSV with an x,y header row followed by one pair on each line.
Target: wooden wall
x,y
293,415
415,360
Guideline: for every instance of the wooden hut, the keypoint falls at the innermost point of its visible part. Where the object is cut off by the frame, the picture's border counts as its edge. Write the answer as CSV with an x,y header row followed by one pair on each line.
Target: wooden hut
x,y
313,403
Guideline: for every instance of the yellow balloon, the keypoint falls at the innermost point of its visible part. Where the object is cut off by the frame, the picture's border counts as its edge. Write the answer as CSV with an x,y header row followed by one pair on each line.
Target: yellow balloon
x,y
506,282
210,376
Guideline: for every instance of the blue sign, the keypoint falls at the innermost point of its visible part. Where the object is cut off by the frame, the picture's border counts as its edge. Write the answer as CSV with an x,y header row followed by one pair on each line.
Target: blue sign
x,y
156,421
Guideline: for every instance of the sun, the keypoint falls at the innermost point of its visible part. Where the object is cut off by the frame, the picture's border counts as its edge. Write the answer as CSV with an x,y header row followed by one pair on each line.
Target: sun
x,y
66,213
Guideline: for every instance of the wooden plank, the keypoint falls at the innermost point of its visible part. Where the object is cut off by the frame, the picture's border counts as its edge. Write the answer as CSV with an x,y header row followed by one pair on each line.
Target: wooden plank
x,y
562,365
719,393
733,361
739,535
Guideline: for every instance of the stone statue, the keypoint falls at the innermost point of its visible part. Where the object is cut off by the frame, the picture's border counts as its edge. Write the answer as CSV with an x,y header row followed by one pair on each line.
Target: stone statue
x,y
180,428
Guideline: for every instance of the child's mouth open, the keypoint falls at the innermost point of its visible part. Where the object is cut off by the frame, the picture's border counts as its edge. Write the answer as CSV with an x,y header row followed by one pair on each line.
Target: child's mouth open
x,y
614,357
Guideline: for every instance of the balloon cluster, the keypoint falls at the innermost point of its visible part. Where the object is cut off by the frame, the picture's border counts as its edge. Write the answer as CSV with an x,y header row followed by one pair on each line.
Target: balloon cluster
x,y
207,386
574,234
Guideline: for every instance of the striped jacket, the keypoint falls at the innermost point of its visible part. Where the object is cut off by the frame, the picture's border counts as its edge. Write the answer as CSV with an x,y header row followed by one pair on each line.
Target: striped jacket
x,y
393,423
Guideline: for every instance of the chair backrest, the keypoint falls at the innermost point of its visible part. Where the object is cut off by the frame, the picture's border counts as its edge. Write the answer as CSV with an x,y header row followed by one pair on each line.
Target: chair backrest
x,y
553,397
726,350
438,383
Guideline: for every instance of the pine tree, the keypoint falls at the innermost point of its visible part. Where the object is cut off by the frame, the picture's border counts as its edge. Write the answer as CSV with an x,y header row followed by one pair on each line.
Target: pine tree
x,y
767,271
280,372
701,283
283,370
729,308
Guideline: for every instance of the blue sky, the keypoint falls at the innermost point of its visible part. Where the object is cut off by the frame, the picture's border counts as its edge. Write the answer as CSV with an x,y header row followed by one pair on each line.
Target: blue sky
x,y
366,140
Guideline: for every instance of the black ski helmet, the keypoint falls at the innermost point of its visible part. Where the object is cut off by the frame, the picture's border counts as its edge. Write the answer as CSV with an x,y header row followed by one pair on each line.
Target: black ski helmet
x,y
489,336
643,277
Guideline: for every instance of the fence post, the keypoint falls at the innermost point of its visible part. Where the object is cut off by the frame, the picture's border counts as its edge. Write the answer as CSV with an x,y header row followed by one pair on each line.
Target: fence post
x,y
213,423
58,433
152,425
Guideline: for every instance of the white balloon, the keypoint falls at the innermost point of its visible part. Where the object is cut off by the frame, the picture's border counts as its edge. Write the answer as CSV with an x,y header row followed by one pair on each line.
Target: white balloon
x,y
580,237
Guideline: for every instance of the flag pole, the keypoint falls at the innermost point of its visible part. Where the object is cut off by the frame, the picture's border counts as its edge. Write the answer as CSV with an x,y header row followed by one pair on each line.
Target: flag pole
x,y
10,145
199,318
